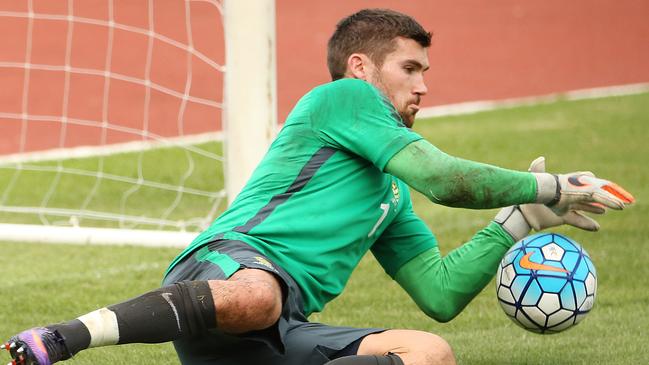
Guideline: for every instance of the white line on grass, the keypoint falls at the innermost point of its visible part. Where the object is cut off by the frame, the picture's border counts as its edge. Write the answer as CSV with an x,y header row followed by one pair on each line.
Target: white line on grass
x,y
471,107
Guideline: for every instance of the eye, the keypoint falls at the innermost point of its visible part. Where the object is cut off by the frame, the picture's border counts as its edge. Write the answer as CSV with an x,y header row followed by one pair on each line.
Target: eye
x,y
409,69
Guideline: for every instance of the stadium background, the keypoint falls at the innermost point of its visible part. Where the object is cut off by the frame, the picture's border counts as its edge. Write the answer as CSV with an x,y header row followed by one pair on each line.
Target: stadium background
x,y
538,48
506,49
484,51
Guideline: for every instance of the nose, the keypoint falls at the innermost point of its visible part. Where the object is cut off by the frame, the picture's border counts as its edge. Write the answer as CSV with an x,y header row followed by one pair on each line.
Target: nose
x,y
420,86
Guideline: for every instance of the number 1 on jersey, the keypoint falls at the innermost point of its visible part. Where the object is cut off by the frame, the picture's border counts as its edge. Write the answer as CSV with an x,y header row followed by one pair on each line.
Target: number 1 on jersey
x,y
385,208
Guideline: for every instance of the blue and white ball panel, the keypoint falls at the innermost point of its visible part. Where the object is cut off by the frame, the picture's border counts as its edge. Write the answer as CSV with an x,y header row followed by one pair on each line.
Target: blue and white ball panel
x,y
546,301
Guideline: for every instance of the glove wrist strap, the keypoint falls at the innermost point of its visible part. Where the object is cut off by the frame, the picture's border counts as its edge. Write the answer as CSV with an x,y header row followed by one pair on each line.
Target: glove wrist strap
x,y
557,194
548,189
513,222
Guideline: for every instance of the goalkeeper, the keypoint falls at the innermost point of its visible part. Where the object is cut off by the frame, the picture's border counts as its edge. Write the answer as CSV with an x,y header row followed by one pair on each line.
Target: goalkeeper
x,y
334,185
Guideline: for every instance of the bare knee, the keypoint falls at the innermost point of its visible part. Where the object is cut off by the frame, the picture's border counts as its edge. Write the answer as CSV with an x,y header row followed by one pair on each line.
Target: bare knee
x,y
435,349
250,300
413,347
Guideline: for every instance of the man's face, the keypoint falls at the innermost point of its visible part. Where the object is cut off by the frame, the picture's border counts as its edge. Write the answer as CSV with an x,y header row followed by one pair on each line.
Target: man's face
x,y
401,77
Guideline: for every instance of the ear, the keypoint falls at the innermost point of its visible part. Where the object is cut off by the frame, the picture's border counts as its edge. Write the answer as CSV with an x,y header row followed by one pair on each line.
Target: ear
x,y
359,66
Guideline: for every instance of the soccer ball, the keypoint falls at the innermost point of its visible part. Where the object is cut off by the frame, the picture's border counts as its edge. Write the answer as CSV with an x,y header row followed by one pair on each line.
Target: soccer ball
x,y
546,283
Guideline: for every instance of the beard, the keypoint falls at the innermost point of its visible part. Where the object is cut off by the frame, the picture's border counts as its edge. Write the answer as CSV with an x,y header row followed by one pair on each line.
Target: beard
x,y
406,114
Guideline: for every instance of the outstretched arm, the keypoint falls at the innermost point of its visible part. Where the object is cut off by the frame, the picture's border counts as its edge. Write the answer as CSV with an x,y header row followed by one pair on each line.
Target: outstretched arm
x,y
456,182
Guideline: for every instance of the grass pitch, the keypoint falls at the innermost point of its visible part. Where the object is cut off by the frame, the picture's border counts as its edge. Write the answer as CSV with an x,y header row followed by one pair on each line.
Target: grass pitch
x,y
109,184
51,283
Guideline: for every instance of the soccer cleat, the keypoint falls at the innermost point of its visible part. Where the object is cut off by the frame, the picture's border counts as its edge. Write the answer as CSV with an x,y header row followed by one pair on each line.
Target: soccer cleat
x,y
37,346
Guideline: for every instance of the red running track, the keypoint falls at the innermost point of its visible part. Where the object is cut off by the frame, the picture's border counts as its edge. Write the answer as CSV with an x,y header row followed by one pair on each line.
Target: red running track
x,y
505,49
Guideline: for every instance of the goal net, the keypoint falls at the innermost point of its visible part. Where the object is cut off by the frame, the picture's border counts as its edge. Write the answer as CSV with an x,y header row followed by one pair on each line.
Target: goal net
x,y
111,117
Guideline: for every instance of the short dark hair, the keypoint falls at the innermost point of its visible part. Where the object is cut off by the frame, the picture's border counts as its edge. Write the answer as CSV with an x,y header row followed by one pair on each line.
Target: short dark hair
x,y
371,32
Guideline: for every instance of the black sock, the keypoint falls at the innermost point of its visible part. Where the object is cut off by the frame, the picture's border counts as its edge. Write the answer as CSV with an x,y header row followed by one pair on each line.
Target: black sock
x,y
184,309
75,335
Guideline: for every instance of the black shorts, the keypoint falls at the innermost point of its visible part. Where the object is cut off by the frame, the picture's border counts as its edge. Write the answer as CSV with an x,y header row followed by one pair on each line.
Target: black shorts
x,y
293,340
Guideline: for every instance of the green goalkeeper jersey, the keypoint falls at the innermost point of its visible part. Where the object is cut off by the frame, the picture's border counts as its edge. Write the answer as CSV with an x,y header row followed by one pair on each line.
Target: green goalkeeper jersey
x,y
320,199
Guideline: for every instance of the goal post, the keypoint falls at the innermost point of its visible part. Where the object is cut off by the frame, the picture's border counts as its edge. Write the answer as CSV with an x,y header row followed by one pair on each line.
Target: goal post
x,y
250,108
145,139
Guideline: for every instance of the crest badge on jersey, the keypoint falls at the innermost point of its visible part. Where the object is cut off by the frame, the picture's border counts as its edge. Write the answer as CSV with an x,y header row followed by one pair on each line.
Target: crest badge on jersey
x,y
264,262
396,195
